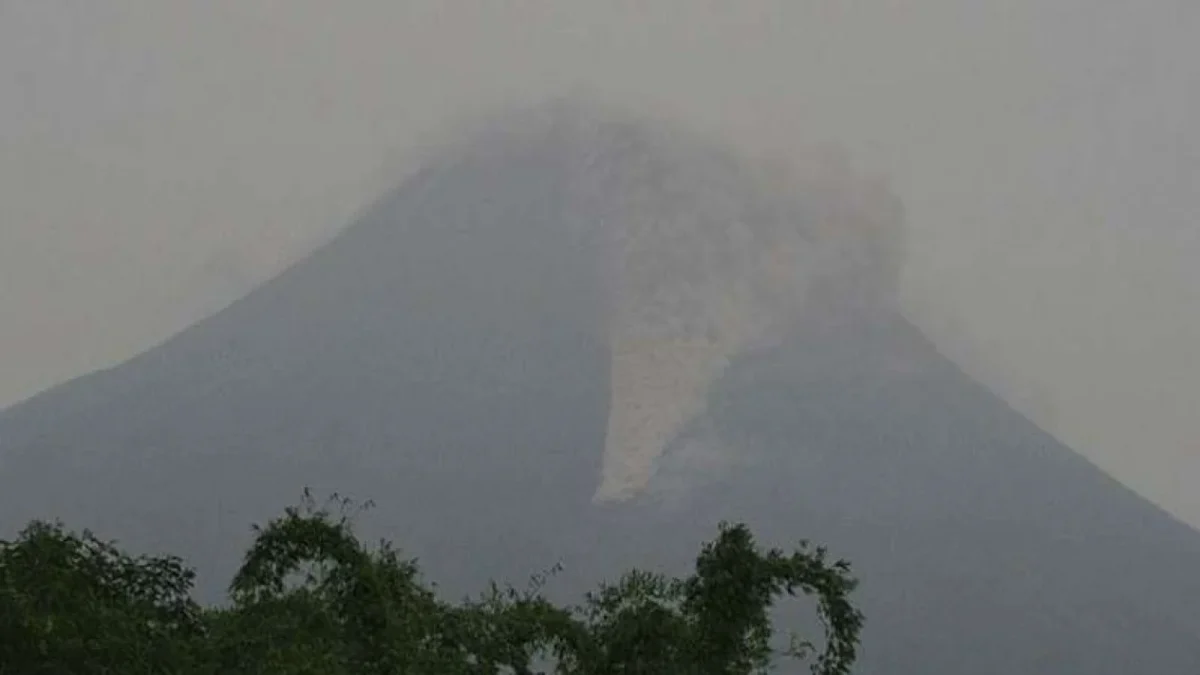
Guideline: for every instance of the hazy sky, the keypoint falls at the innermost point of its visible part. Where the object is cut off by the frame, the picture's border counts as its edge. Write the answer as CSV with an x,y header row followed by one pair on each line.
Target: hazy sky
x,y
157,158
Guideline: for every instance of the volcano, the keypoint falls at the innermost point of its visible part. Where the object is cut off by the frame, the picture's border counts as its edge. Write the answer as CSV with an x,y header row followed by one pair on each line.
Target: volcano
x,y
582,337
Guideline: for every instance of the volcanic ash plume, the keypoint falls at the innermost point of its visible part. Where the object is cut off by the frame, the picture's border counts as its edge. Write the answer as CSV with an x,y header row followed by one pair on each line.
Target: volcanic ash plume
x,y
707,255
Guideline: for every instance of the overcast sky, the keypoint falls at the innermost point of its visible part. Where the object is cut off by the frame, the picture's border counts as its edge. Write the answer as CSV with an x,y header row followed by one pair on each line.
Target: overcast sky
x,y
158,158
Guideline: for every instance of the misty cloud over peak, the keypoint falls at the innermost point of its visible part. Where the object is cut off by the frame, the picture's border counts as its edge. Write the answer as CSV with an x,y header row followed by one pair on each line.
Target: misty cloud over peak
x,y
700,252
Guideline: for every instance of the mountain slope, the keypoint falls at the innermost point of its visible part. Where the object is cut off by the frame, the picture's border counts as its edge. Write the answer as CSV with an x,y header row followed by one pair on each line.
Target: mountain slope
x,y
453,356
985,545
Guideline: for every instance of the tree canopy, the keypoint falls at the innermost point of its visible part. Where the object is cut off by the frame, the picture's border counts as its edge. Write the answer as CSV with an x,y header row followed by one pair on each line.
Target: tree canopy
x,y
311,598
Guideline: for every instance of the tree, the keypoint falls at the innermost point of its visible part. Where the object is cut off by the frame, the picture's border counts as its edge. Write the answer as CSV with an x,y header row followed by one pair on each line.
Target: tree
x,y
715,621
363,611
310,597
76,604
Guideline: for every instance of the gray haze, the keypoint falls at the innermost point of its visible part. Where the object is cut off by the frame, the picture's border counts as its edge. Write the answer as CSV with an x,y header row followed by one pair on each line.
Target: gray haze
x,y
157,159
584,336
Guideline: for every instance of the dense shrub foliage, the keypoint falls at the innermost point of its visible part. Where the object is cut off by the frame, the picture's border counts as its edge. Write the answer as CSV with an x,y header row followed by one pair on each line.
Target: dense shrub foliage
x,y
310,597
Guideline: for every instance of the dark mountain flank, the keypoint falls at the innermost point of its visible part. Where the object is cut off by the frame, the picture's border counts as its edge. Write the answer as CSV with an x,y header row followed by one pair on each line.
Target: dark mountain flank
x,y
585,338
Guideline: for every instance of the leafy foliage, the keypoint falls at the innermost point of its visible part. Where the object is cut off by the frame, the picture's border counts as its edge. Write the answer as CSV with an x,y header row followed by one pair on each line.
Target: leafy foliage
x,y
311,598
76,604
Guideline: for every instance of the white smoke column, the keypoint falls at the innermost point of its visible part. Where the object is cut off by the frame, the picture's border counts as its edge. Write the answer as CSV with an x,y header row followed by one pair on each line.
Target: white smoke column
x,y
713,256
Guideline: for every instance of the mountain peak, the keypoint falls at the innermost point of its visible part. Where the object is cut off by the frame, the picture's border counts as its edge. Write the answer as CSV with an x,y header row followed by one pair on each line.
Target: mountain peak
x,y
688,251
700,253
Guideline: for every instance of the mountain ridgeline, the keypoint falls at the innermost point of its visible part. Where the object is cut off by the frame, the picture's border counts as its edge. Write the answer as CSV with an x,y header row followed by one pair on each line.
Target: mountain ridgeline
x,y
584,338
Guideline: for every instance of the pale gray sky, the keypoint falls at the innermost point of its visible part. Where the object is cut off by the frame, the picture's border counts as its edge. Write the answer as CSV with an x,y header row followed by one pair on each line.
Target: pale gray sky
x,y
157,158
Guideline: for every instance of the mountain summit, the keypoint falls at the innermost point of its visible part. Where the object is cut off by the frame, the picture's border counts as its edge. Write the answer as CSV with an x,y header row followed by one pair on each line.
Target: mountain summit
x,y
582,337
